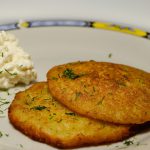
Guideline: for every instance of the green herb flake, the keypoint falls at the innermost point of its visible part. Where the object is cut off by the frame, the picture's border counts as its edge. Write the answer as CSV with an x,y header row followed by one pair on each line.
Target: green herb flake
x,y
46,99
138,143
109,55
121,83
128,142
94,89
6,134
70,114
2,54
51,116
21,145
1,134
7,92
39,107
54,78
77,95
12,74
21,65
2,99
141,81
4,103
60,120
68,73
101,101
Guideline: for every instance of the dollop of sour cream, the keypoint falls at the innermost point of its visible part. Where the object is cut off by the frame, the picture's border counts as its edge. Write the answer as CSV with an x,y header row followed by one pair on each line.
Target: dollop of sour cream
x,y
16,65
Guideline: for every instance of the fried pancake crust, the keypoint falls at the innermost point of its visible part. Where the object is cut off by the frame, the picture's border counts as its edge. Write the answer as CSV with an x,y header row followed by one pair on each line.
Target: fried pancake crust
x,y
101,90
35,113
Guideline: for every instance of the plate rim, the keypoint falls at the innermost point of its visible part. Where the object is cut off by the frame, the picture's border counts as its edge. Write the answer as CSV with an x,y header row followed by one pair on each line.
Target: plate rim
x,y
76,23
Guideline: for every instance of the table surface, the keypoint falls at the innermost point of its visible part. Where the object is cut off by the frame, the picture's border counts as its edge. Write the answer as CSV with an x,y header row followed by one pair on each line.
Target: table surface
x,y
133,13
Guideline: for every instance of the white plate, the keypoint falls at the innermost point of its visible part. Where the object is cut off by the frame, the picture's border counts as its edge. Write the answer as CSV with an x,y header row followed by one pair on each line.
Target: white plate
x,y
51,46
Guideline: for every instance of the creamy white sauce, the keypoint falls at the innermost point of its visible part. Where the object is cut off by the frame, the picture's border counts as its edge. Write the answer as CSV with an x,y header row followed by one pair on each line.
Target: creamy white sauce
x,y
16,65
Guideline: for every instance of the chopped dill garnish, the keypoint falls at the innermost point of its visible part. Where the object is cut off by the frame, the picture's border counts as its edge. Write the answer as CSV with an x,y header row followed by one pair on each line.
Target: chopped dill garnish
x,y
54,78
68,73
46,99
3,103
128,142
21,145
94,89
12,74
77,95
1,134
38,107
51,116
70,113
109,55
2,54
121,83
6,134
6,91
21,65
101,100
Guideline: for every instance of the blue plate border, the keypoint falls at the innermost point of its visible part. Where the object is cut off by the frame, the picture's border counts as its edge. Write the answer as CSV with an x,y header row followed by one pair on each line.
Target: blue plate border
x,y
75,23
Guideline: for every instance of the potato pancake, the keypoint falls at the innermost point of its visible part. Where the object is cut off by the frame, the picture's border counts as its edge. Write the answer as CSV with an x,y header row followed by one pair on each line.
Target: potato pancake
x,y
35,113
106,91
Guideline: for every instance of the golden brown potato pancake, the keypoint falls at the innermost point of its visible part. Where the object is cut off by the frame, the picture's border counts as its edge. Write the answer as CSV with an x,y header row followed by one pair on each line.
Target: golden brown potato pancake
x,y
35,113
101,90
